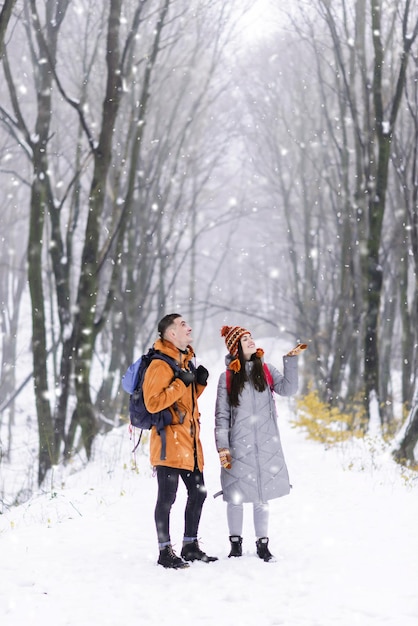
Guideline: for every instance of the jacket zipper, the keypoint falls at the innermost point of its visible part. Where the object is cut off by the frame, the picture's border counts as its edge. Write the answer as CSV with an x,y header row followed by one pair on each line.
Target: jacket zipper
x,y
193,429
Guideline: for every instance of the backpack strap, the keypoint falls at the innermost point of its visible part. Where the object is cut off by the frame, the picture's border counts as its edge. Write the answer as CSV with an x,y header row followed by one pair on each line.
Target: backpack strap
x,y
164,418
228,380
164,357
269,377
173,364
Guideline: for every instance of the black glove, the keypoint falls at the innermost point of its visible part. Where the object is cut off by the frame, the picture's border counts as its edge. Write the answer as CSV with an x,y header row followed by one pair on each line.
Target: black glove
x,y
201,375
186,376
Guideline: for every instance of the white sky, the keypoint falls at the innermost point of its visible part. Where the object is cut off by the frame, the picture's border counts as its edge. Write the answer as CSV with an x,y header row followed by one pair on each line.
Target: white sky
x,y
261,20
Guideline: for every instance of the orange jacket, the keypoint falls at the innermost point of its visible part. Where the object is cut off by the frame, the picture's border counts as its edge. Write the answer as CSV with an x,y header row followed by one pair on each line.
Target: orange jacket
x,y
161,391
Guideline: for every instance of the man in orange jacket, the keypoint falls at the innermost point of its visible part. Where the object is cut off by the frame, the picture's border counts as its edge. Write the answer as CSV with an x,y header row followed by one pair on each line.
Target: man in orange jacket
x,y
184,454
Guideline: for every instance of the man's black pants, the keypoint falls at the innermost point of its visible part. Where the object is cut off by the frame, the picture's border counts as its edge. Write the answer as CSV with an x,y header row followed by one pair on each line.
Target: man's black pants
x,y
168,480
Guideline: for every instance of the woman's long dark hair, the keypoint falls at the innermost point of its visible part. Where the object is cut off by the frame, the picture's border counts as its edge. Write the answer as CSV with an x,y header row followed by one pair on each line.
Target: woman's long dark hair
x,y
238,379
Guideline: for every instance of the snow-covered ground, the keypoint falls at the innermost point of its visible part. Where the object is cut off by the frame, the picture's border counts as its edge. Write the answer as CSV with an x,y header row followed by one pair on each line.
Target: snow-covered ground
x,y
84,552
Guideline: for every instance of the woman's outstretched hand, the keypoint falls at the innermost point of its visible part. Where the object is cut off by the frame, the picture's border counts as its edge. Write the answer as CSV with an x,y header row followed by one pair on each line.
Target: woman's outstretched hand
x,y
297,349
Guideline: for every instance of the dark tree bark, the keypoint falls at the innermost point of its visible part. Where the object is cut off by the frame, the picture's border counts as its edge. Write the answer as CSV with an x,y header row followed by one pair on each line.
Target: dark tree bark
x,y
5,15
86,317
39,206
377,202
404,454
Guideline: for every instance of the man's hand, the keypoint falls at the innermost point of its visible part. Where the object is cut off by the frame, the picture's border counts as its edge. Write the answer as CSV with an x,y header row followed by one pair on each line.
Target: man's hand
x,y
186,376
225,458
201,375
297,350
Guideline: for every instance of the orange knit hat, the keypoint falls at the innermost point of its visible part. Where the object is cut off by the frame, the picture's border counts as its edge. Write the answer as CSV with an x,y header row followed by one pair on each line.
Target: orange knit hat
x,y
233,335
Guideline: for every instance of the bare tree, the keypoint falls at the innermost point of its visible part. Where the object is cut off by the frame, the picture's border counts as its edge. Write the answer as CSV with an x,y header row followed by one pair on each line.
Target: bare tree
x,y
386,114
325,147
5,15
108,241
404,452
77,331
12,284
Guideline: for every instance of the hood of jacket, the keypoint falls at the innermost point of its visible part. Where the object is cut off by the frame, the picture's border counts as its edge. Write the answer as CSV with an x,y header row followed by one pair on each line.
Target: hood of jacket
x,y
181,357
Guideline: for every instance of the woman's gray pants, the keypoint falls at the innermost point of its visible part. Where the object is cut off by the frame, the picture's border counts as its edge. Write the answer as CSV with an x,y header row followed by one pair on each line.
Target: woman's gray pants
x,y
235,516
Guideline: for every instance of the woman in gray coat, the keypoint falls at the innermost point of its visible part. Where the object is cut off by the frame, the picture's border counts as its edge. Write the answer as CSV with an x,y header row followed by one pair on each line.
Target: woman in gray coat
x,y
253,468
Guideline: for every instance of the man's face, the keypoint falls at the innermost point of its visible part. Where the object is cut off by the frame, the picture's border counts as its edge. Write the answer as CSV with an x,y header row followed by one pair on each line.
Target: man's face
x,y
180,333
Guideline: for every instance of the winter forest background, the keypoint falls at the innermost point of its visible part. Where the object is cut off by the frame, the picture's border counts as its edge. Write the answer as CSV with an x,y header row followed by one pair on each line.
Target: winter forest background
x,y
238,162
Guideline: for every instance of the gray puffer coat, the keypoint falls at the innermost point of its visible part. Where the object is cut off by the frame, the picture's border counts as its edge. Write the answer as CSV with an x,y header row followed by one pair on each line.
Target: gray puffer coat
x,y
251,433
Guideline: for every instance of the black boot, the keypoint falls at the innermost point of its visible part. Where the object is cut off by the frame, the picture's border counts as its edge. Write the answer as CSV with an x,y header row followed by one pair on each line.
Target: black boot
x,y
168,558
263,551
191,552
236,545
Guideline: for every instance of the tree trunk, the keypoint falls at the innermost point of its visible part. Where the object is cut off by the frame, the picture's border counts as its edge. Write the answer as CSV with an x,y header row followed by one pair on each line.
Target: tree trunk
x,y
88,289
5,15
11,291
383,130
404,454
39,347
40,195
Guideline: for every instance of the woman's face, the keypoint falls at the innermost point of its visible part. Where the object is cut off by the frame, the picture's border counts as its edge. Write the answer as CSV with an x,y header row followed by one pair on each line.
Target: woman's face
x,y
248,346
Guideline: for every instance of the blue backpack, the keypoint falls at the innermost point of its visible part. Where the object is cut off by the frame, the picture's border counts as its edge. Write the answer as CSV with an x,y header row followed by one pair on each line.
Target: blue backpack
x,y
139,415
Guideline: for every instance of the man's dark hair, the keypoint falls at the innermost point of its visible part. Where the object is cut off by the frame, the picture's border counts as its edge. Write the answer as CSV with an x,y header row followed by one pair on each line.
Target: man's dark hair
x,y
165,322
